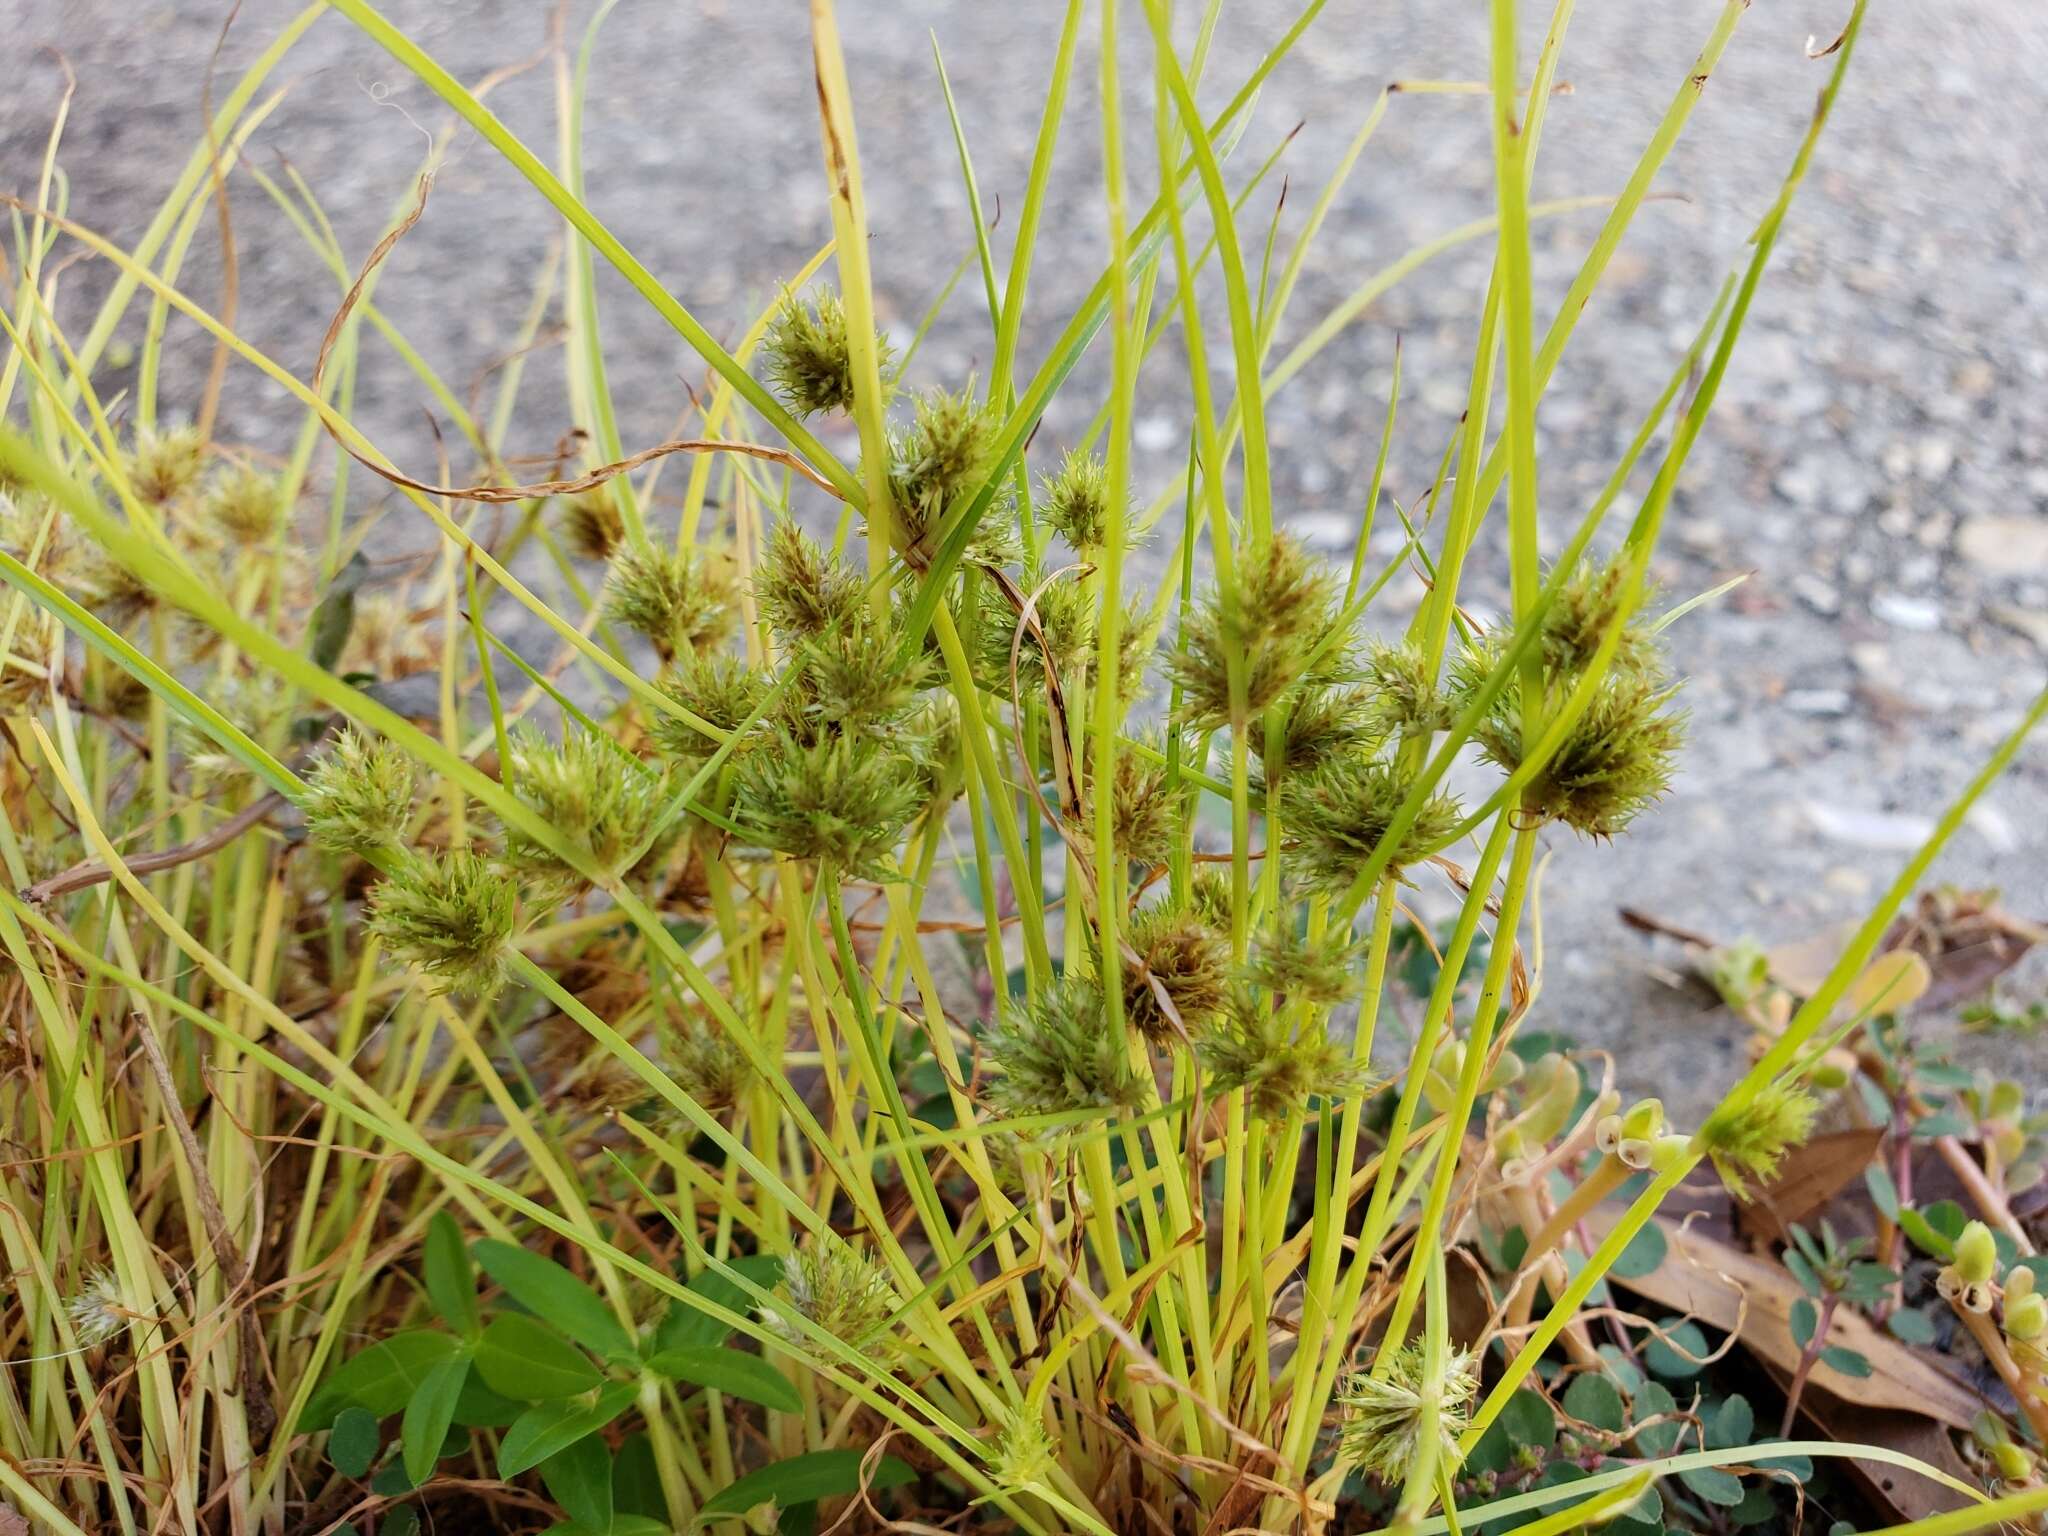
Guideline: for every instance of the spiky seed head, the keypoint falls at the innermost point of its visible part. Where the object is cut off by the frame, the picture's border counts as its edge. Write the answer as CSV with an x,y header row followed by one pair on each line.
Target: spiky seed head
x,y
1076,500
163,466
1338,815
1184,957
1317,723
838,1288
1059,1054
1064,616
598,797
947,452
1752,1141
245,506
843,801
1141,810
359,796
99,1311
1403,691
1251,1048
809,359
1587,603
1317,971
858,681
1383,1411
450,914
1024,1453
1614,763
703,1061
102,583
719,688
260,705
592,524
679,601
804,592
1282,628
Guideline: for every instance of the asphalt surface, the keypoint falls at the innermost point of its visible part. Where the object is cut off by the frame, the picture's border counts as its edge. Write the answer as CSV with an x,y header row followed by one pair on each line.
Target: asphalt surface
x,y
1878,459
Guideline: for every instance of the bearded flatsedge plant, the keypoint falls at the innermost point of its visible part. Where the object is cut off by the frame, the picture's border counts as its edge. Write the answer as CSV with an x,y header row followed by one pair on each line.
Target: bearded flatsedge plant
x,y
873,1005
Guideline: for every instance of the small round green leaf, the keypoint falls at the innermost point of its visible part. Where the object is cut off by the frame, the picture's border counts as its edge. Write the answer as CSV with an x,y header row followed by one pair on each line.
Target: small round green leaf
x,y
353,1442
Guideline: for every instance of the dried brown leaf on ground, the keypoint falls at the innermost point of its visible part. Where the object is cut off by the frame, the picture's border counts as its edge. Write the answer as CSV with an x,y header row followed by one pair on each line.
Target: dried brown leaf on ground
x,y
1896,1494
1809,1178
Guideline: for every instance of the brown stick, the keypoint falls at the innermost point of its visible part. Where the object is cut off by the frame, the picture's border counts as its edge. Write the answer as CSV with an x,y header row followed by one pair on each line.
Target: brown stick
x,y
91,872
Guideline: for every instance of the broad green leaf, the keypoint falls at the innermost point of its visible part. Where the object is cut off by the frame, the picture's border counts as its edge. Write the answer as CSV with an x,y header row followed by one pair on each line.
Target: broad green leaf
x,y
1666,1359
1847,1361
1927,1237
730,1372
429,1415
579,1478
1884,1194
805,1480
353,1442
1732,1425
546,1428
685,1327
524,1359
1592,1399
335,614
380,1380
1758,1504
1714,1485
1643,1255
636,1482
1653,1400
1804,1319
480,1408
451,1285
1910,1326
550,1292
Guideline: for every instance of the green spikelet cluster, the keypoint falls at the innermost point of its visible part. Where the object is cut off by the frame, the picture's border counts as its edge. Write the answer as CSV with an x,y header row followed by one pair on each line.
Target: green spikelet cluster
x,y
1291,965
702,1060
837,1288
1616,759
591,524
163,466
259,704
1383,1418
1338,814
842,800
1059,1054
679,601
359,796
599,799
1751,1142
1183,956
1402,694
1283,614
719,688
1318,724
450,914
1249,1048
1141,811
809,361
1075,501
245,507
943,457
803,593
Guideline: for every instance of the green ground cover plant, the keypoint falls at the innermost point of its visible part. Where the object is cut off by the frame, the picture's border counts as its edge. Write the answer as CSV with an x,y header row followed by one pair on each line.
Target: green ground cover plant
x,y
845,1009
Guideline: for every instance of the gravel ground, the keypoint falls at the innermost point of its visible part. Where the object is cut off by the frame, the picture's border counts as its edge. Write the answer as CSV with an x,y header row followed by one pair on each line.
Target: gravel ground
x,y
1879,459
